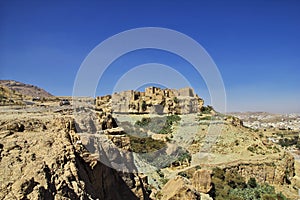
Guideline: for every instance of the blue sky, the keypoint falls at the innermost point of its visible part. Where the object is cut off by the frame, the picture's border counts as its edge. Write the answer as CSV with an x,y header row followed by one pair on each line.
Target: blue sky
x,y
255,44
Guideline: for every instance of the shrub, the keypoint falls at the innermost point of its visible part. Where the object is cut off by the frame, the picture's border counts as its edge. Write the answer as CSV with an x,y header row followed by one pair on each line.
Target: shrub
x,y
185,157
162,125
184,174
205,118
206,109
182,156
143,122
289,142
234,180
170,121
231,185
164,181
251,149
218,173
252,183
145,144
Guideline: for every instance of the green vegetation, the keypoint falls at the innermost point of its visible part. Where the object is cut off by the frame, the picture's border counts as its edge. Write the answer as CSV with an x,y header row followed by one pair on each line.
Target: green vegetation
x,y
140,142
145,144
153,151
264,191
184,156
252,183
251,149
172,119
206,109
162,125
160,158
143,122
230,185
276,150
206,118
162,178
254,148
285,142
175,99
164,181
184,174
198,167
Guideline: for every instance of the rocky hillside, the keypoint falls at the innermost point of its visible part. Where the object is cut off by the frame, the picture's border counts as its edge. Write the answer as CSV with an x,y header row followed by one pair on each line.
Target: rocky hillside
x,y
87,152
10,97
40,158
25,89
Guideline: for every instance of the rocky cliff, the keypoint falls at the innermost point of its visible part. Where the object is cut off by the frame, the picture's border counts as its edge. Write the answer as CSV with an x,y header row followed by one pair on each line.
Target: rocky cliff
x,y
42,159
273,171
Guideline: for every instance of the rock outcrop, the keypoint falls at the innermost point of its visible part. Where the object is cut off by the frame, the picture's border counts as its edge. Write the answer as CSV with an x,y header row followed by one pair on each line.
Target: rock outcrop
x,y
10,97
52,164
277,171
179,188
202,180
233,120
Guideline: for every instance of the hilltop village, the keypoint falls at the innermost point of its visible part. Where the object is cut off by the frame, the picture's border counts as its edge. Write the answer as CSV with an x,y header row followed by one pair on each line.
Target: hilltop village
x,y
153,100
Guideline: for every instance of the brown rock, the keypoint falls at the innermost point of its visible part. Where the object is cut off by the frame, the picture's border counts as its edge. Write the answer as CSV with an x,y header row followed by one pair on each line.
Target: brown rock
x,y
179,188
278,171
234,121
202,180
58,170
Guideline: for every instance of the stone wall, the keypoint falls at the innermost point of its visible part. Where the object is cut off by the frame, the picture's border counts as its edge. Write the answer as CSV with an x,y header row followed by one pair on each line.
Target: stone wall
x,y
153,100
186,92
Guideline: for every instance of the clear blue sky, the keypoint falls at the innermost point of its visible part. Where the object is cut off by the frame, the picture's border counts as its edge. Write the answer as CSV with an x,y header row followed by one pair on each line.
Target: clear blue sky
x,y
255,44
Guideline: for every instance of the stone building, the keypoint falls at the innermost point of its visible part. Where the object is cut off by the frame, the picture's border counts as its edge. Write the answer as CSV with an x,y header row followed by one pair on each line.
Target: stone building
x,y
186,92
153,100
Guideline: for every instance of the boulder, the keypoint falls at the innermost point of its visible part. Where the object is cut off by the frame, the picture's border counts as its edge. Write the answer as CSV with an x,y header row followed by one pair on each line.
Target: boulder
x,y
202,180
179,188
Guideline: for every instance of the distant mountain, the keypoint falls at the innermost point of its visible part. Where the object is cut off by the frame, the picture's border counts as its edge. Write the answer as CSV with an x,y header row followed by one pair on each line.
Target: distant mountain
x,y
25,89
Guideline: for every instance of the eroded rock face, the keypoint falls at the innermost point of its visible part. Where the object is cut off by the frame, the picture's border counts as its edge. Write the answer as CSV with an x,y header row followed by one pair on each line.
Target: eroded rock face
x,y
108,122
113,151
52,164
278,171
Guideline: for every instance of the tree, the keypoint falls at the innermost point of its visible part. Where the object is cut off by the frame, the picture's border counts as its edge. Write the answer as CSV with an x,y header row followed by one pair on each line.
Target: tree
x,y
252,183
